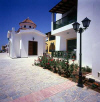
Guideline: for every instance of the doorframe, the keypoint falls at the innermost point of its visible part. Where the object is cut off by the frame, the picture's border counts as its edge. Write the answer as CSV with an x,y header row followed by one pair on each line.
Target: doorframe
x,y
70,39
28,48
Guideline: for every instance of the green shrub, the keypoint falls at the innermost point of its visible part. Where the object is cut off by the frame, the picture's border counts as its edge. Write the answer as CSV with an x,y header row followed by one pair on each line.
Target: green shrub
x,y
76,67
88,69
63,64
94,86
60,66
83,69
71,68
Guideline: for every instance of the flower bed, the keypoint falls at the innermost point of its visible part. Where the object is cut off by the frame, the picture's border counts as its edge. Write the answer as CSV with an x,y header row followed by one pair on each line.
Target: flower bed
x,y
70,71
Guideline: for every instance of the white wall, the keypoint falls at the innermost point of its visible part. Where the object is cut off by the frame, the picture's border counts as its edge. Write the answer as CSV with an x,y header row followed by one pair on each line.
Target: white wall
x,y
17,45
24,45
64,28
44,44
96,39
85,9
58,16
91,37
29,37
61,43
96,59
57,43
62,37
12,44
52,20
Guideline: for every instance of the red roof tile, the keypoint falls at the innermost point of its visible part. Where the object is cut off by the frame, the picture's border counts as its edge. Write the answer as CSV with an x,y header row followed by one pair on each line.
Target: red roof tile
x,y
27,21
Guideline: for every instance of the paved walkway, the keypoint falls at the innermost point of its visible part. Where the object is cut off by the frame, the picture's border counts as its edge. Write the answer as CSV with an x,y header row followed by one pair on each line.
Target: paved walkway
x,y
22,82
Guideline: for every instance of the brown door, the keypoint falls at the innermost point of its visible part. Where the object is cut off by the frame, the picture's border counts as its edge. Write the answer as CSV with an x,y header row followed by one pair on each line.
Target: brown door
x,y
32,48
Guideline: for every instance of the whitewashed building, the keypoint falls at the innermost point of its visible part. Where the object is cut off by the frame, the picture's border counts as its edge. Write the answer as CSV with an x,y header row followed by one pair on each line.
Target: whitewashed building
x,y
27,41
64,14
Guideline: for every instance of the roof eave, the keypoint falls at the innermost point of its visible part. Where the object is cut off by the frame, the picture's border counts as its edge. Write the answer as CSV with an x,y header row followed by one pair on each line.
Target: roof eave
x,y
35,31
63,6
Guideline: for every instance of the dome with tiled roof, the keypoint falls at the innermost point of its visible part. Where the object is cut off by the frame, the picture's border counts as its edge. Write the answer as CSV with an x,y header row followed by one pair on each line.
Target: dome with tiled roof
x,y
28,24
27,21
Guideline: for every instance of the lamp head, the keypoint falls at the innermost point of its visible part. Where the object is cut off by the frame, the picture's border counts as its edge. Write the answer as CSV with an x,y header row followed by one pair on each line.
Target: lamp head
x,y
76,26
86,22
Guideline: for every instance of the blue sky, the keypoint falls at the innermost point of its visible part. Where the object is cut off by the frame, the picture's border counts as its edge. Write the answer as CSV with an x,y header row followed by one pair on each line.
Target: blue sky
x,y
14,11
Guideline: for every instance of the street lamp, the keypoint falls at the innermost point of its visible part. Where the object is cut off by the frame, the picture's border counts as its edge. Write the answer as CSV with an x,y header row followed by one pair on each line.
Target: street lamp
x,y
86,23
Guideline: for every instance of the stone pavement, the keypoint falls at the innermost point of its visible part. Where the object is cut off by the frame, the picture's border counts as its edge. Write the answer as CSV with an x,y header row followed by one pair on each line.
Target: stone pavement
x,y
22,82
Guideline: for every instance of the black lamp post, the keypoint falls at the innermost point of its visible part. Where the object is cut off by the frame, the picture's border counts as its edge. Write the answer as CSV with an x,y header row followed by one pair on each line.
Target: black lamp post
x,y
86,23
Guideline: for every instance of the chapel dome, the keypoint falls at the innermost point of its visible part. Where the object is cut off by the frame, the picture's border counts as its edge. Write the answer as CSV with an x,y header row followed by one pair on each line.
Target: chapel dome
x,y
27,23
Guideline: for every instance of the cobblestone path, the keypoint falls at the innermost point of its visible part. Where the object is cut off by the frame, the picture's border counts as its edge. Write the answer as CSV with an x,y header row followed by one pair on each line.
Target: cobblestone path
x,y
22,82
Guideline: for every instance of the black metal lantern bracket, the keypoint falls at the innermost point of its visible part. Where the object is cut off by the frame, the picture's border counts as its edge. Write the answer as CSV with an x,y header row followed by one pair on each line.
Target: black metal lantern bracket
x,y
86,23
81,30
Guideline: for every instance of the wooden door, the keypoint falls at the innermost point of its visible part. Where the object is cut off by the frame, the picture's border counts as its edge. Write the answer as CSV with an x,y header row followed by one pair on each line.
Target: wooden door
x,y
32,48
35,48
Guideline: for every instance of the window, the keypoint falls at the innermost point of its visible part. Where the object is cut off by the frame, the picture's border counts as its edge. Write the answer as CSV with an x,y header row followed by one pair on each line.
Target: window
x,y
24,26
52,38
29,26
71,44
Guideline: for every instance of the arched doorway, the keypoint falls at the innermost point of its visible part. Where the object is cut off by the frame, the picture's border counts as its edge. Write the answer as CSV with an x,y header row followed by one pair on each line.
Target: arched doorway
x,y
52,47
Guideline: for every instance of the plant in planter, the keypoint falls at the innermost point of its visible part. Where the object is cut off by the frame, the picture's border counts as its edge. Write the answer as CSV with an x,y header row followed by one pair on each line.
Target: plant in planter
x,y
95,85
61,66
71,69
43,61
55,65
91,80
73,77
59,70
54,69
88,69
50,61
42,64
65,65
47,66
83,69
36,62
75,67
73,60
